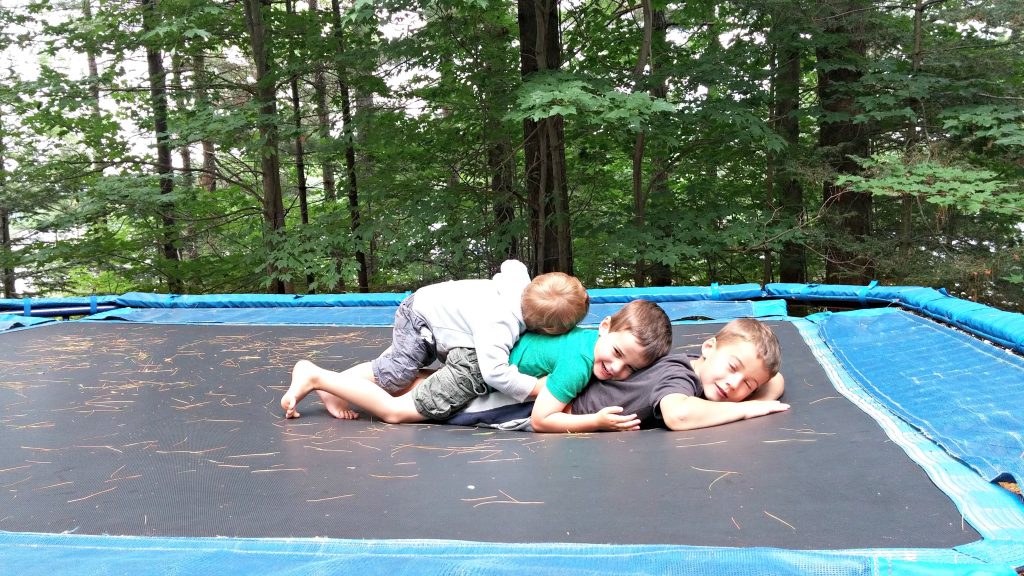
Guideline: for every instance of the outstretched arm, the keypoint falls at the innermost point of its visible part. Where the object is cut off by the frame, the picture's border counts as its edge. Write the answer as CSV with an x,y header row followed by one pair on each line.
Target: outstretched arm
x,y
682,412
548,416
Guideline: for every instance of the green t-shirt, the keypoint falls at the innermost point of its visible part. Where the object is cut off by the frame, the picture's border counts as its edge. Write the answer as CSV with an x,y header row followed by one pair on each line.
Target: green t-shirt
x,y
567,360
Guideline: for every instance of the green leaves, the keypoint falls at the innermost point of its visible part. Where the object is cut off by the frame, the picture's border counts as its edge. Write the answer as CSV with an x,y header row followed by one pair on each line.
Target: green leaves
x,y
971,190
557,94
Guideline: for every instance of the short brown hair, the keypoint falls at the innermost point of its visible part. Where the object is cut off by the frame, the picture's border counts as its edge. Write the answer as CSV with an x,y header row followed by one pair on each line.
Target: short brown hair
x,y
648,323
757,333
554,303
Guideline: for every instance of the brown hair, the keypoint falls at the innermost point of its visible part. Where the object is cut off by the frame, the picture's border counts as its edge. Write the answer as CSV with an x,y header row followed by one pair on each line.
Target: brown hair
x,y
648,323
554,303
757,333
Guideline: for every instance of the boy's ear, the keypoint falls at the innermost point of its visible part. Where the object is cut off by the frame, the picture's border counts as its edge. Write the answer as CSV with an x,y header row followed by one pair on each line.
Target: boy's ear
x,y
605,326
707,347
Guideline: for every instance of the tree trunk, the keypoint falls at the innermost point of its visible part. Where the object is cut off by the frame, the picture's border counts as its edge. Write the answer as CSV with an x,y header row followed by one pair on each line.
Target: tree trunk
x,y
323,122
847,214
158,101
208,176
907,201
500,160
6,248
655,186
544,143
350,150
300,151
94,74
502,168
790,193
273,203
181,101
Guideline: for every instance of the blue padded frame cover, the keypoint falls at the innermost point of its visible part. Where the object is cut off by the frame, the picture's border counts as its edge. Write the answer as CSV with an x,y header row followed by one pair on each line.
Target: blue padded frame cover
x,y
1005,328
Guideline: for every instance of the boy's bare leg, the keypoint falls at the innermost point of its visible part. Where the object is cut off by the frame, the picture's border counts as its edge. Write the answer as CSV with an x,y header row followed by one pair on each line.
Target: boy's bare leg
x,y
339,391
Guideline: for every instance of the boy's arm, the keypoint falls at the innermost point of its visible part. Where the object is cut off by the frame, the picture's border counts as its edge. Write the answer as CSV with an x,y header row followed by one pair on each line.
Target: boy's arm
x,y
682,412
493,338
496,330
548,416
770,390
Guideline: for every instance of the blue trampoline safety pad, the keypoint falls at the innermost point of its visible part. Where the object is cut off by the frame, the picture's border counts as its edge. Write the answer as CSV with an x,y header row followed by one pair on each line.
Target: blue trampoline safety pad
x,y
229,556
966,394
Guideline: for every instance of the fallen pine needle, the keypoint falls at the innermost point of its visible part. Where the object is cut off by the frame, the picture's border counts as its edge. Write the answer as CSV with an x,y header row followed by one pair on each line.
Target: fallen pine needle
x,y
91,495
704,444
779,519
331,498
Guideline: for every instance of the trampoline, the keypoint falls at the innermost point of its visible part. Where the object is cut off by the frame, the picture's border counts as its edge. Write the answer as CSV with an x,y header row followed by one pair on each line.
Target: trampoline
x,y
148,438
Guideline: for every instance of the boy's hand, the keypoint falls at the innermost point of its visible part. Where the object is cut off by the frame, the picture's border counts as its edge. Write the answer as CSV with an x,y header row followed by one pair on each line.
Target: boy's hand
x,y
755,408
612,419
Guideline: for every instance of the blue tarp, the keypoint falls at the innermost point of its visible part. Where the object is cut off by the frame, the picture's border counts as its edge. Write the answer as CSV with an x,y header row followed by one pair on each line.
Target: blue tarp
x,y
9,321
965,394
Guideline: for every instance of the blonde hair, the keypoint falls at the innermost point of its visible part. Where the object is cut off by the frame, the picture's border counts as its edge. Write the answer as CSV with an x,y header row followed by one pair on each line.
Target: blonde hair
x,y
757,333
554,303
648,323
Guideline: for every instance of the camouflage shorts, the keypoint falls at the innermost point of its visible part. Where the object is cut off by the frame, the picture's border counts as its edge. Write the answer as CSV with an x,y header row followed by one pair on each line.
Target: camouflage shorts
x,y
451,388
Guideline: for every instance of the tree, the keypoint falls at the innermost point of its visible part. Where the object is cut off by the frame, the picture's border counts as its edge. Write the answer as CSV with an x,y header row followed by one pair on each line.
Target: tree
x,y
6,249
158,100
787,186
266,98
544,144
841,54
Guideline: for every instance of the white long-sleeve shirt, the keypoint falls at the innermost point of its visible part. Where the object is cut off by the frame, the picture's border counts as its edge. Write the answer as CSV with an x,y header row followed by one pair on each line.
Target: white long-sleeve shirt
x,y
483,314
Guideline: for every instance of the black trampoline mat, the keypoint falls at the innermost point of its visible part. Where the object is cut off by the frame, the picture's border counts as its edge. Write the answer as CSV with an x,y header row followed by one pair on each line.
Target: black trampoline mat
x,y
170,430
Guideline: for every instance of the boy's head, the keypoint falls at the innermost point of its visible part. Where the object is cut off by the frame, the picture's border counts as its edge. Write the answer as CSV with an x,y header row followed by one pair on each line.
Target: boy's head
x,y
554,303
631,339
741,357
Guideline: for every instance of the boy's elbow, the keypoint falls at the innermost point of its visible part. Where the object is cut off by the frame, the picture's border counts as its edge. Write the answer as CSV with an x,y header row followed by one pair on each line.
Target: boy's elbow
x,y
677,422
676,413
538,423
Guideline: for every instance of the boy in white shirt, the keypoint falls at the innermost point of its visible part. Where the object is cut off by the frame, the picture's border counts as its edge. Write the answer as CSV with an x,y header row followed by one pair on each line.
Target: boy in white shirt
x,y
480,317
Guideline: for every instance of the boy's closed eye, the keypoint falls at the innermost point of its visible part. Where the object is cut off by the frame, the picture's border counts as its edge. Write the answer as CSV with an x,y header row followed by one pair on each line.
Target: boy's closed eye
x,y
619,354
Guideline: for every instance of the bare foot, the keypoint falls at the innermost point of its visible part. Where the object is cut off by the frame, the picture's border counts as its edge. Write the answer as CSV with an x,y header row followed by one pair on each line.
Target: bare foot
x,y
302,383
336,406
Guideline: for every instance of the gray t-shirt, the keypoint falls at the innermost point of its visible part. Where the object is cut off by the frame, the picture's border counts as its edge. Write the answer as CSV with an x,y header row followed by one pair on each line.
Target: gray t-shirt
x,y
642,392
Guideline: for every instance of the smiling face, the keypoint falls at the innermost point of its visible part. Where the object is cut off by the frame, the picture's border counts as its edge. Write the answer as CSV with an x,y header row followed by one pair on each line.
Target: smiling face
x,y
617,354
730,372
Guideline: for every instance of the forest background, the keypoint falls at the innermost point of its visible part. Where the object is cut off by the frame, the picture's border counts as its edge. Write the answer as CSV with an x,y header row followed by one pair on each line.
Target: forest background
x,y
198,146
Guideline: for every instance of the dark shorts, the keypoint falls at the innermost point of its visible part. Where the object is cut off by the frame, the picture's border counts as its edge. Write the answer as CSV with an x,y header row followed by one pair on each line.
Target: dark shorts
x,y
412,348
451,388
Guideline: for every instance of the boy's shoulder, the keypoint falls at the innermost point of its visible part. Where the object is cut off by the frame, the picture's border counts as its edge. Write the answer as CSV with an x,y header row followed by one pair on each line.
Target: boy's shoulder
x,y
674,363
